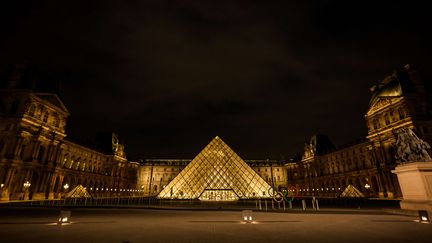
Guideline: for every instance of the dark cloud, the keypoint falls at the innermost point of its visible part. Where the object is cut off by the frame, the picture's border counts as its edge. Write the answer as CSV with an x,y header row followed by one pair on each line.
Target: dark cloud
x,y
170,75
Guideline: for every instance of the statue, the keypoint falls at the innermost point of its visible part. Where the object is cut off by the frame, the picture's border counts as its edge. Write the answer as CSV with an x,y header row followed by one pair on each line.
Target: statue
x,y
117,148
410,148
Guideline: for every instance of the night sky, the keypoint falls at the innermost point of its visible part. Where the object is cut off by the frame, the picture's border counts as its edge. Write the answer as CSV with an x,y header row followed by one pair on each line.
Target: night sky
x,y
168,76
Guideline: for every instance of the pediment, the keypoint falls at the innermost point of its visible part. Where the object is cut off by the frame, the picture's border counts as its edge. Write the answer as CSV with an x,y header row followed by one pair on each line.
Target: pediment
x,y
380,103
54,100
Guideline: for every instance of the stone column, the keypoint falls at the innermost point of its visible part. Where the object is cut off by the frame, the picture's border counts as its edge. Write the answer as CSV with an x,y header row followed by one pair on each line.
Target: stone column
x,y
35,149
17,147
381,187
5,191
57,160
52,181
60,186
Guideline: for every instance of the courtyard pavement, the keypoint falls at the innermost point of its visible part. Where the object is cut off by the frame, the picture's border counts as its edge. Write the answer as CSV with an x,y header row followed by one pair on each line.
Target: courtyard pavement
x,y
147,225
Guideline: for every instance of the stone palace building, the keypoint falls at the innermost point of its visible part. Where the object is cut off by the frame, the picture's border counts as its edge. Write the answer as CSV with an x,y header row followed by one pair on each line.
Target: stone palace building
x,y
37,161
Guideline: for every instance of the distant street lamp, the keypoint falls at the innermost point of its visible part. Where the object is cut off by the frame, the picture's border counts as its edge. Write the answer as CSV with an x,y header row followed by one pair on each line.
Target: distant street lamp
x,y
65,187
26,186
367,186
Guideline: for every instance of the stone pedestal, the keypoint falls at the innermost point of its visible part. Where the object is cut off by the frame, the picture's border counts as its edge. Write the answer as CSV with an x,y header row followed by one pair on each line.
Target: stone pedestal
x,y
415,180
4,194
39,196
26,195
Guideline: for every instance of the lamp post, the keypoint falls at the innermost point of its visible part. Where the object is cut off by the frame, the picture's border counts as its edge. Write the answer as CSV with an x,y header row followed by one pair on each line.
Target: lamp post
x,y
65,187
26,186
367,186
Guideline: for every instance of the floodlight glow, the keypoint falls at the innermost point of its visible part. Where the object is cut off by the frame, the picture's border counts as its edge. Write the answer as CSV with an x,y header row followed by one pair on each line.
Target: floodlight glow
x,y
424,217
247,216
64,217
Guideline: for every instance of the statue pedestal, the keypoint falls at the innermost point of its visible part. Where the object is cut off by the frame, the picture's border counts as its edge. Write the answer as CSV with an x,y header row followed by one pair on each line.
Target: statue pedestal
x,y
39,196
415,180
4,194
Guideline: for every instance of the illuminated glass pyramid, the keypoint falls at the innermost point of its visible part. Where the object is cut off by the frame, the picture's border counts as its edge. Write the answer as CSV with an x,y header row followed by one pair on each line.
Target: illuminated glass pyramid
x,y
351,191
217,173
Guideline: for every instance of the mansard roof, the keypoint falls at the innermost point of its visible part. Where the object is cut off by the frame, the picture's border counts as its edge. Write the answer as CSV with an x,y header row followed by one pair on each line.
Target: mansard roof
x,y
321,143
400,82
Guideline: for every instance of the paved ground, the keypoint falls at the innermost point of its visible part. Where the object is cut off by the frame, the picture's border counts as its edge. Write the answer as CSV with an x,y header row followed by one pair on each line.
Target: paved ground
x,y
145,225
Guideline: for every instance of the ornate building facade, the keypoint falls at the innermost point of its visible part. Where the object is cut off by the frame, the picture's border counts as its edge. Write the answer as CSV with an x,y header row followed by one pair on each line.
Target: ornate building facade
x,y
400,100
36,161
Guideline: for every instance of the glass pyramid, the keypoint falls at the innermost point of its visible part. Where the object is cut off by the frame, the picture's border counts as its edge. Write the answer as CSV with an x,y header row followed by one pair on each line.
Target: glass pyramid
x,y
217,173
351,191
78,192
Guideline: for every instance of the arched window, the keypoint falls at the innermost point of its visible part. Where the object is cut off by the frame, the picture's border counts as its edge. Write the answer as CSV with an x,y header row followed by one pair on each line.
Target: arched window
x,y
387,119
401,113
41,154
375,124
71,162
65,159
22,152
31,111
56,121
45,117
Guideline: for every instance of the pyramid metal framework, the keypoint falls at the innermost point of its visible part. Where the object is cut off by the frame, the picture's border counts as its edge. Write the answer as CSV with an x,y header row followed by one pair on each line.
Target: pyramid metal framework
x,y
217,173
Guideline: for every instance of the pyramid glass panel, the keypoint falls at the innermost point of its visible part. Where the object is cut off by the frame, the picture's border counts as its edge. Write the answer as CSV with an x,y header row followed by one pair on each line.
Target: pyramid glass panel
x,y
217,173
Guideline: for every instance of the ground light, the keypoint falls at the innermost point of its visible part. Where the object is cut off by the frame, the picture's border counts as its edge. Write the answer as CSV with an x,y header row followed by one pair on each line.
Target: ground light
x,y
247,216
64,217
423,216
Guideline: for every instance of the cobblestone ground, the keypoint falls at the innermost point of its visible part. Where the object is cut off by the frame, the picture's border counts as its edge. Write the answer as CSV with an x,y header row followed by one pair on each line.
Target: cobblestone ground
x,y
145,225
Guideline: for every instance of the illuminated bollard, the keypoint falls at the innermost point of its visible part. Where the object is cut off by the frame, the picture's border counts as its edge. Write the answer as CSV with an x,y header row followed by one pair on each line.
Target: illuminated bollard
x,y
247,216
64,217
423,216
